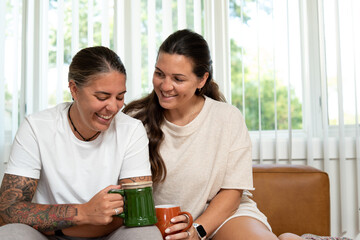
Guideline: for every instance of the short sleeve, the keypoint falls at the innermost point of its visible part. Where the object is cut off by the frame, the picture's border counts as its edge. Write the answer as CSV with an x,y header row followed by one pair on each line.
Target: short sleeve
x,y
136,160
239,163
24,157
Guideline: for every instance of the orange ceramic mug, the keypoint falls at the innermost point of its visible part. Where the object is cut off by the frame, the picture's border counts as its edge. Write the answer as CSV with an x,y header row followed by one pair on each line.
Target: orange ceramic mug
x,y
164,214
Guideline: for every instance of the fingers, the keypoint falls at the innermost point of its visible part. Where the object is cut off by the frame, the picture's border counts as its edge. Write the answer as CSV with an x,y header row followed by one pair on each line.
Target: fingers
x,y
176,231
180,223
117,211
176,227
114,196
108,188
180,218
103,206
114,202
182,235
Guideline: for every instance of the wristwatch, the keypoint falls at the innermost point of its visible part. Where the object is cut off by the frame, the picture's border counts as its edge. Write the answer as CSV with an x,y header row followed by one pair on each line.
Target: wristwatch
x,y
200,231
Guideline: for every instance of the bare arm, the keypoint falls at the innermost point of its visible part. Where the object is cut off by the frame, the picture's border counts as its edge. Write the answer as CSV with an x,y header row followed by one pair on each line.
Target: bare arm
x,y
222,206
16,193
135,179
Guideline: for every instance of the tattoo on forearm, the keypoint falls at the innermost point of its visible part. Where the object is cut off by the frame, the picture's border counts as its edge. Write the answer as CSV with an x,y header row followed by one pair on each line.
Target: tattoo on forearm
x,y
136,179
16,194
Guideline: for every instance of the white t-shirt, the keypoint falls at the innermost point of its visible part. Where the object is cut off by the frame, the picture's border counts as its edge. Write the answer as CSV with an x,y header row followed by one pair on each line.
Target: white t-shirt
x,y
210,153
70,170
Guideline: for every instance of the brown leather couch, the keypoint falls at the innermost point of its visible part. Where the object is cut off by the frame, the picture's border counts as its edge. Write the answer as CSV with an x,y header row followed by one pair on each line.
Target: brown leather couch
x,y
294,198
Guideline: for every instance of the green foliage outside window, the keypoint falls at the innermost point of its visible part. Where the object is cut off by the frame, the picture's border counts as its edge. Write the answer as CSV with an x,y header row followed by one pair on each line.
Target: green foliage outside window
x,y
248,103
243,81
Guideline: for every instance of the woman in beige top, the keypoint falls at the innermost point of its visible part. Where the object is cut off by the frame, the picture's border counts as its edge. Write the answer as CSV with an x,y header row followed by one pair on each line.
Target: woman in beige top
x,y
200,149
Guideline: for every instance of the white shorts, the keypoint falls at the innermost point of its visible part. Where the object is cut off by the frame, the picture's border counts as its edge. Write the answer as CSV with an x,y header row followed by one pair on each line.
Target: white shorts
x,y
247,208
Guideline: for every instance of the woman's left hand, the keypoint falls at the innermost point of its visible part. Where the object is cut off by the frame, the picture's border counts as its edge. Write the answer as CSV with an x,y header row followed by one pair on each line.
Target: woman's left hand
x,y
176,231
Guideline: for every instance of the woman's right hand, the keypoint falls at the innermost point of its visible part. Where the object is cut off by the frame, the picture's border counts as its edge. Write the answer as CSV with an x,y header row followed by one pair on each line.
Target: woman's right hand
x,y
101,208
176,231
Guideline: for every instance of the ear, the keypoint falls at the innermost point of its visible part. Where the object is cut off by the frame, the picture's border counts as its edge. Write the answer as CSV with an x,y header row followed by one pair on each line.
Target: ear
x,y
203,80
73,89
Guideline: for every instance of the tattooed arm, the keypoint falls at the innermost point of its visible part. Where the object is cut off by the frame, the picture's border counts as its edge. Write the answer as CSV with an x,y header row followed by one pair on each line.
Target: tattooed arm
x,y
16,193
135,179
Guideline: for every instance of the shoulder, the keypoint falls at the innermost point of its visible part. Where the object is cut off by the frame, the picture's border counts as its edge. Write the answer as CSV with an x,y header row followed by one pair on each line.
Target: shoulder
x,y
125,125
223,110
225,116
50,117
229,119
50,113
44,124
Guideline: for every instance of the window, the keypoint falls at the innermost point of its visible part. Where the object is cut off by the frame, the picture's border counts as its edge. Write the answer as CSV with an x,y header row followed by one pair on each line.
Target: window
x,y
273,56
266,63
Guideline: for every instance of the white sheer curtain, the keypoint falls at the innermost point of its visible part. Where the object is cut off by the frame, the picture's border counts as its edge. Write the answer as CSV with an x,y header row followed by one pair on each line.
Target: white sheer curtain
x,y
40,37
312,49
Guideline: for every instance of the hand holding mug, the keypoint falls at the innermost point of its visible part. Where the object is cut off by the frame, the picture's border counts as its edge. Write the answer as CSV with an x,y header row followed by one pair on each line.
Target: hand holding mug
x,y
100,209
166,213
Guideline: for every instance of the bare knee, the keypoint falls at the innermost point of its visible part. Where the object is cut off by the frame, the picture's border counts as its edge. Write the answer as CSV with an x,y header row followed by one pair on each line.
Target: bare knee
x,y
244,227
289,236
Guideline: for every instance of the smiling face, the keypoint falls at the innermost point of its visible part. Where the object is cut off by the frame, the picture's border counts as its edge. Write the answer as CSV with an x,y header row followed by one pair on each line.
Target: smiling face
x,y
97,103
175,83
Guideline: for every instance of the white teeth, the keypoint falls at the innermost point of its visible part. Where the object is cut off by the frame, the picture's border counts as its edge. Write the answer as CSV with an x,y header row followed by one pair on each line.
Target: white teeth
x,y
105,117
167,95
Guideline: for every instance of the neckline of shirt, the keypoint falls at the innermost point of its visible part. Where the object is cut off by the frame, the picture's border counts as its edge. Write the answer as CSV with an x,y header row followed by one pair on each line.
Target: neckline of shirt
x,y
191,126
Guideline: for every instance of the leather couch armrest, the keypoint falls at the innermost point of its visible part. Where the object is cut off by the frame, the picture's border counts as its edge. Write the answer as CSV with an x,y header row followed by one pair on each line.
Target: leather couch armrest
x,y
295,198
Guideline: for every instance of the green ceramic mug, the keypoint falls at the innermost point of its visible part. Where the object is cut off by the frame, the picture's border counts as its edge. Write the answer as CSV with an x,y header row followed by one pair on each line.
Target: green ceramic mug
x,y
139,208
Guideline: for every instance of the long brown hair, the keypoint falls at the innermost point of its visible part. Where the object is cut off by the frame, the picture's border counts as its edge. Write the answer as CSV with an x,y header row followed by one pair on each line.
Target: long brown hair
x,y
148,109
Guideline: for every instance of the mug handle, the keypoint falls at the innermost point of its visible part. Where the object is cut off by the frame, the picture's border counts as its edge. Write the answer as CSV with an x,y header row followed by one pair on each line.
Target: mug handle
x,y
121,192
190,220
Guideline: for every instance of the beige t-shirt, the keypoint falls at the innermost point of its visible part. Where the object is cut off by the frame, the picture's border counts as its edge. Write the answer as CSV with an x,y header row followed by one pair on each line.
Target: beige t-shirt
x,y
211,152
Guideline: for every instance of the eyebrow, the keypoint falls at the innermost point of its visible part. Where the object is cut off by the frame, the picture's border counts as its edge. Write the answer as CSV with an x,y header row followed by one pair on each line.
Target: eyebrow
x,y
106,93
175,74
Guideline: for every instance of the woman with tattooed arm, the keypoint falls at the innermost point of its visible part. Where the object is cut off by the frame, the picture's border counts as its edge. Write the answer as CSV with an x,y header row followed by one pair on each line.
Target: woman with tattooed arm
x,y
65,159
